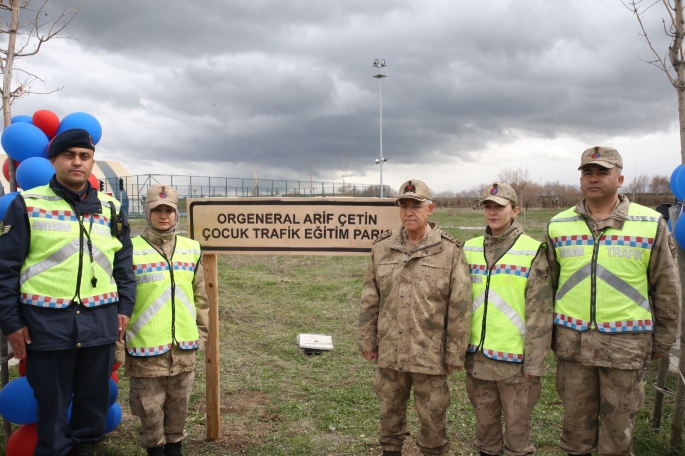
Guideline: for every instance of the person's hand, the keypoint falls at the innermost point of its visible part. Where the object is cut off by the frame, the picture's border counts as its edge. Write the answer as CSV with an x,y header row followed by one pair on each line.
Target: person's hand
x,y
656,355
18,340
451,368
123,323
370,356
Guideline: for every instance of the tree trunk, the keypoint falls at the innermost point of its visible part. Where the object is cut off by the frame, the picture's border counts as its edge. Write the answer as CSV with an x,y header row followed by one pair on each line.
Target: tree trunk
x,y
678,65
7,117
7,82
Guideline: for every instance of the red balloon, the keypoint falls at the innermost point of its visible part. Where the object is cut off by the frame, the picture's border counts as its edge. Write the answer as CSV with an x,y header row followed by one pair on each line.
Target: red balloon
x,y
94,182
47,121
23,441
115,376
116,367
22,367
6,168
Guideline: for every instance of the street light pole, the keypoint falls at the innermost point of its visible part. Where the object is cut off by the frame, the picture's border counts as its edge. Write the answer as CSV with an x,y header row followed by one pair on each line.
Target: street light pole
x,y
380,65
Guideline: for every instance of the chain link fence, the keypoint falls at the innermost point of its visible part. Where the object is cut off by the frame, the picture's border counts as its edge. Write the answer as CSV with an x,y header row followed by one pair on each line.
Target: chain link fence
x,y
132,190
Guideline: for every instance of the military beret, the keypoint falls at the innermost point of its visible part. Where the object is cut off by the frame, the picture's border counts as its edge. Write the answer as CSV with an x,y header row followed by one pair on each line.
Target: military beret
x,y
70,138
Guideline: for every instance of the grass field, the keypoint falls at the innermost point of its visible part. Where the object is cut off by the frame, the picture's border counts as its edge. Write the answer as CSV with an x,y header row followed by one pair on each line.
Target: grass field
x,y
277,401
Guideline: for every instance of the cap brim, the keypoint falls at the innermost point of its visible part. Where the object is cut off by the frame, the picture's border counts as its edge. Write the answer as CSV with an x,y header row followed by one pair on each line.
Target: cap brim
x,y
603,164
496,199
161,202
413,196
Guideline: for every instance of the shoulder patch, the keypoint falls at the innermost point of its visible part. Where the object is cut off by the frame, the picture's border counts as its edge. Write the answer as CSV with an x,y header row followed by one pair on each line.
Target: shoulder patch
x,y
383,236
451,238
4,229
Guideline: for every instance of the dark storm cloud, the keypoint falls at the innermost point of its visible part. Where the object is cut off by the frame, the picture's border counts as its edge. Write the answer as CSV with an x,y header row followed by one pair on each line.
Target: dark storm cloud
x,y
281,82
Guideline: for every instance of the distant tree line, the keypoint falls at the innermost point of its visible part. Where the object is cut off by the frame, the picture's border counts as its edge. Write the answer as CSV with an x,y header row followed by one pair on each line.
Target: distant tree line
x,y
639,188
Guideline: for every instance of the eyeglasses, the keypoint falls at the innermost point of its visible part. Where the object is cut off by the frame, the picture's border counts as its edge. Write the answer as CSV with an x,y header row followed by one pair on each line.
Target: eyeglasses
x,y
413,207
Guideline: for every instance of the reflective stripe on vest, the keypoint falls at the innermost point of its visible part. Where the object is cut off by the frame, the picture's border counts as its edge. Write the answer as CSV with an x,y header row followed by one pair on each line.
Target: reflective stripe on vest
x,y
158,321
57,261
498,325
603,280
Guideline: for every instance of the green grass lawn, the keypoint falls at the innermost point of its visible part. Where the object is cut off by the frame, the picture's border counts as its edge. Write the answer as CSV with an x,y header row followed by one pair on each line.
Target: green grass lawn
x,y
277,401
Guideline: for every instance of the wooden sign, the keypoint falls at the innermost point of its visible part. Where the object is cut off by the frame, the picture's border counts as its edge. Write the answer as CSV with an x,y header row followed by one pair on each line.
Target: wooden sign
x,y
290,226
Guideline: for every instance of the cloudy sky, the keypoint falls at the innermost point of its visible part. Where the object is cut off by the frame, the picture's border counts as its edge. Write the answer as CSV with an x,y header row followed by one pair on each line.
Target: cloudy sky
x,y
474,87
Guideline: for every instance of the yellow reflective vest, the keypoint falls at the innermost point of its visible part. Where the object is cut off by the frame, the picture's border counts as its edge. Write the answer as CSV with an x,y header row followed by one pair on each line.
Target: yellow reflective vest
x,y
603,279
164,313
57,269
498,322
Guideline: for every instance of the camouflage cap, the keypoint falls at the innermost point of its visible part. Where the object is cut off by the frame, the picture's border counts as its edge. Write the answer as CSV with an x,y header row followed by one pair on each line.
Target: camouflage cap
x,y
606,157
501,193
414,189
160,194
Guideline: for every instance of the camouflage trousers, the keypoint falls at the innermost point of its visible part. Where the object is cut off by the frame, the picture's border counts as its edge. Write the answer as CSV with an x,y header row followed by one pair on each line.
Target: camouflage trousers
x,y
431,397
514,401
600,406
162,405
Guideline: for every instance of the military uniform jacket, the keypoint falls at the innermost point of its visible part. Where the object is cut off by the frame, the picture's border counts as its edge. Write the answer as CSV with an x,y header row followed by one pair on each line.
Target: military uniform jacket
x,y
626,350
175,360
416,303
539,306
75,325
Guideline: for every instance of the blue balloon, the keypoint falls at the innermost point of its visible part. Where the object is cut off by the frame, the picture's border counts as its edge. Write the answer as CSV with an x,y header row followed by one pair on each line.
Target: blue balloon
x,y
680,183
22,118
673,181
84,121
113,418
23,140
34,172
113,391
17,404
5,202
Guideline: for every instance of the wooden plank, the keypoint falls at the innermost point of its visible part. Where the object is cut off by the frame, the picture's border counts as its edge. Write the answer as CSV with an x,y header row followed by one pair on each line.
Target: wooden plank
x,y
212,349
659,396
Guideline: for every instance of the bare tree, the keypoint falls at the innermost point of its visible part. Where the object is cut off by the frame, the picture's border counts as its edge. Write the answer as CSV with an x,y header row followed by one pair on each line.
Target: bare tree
x,y
24,39
518,179
672,64
254,172
639,184
660,185
343,173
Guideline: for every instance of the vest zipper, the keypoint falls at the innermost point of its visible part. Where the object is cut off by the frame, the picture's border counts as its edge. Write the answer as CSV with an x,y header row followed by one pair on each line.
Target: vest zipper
x,y
487,291
593,281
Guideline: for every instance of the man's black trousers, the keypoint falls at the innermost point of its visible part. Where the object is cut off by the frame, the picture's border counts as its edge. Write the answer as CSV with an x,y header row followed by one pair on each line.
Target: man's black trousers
x,y
54,375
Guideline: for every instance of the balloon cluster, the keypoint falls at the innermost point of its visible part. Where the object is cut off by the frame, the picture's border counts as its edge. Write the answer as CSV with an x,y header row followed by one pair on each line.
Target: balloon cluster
x,y
18,406
26,142
678,189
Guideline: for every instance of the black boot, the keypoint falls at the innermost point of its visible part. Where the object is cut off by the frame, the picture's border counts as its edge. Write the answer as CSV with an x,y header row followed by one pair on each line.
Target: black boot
x,y
155,451
392,453
85,449
173,449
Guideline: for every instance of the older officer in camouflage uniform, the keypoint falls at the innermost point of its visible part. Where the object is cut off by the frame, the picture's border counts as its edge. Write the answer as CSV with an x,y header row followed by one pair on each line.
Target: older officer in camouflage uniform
x,y
511,328
617,306
414,321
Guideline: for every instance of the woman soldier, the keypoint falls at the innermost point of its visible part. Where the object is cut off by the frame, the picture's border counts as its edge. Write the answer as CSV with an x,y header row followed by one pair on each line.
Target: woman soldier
x,y
168,325
511,327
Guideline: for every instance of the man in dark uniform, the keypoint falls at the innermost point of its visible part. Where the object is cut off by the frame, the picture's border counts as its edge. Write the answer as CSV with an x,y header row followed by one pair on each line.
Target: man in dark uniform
x,y
67,291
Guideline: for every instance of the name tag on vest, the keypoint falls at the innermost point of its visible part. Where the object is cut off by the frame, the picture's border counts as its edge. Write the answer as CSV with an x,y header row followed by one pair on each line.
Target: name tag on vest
x,y
476,279
566,252
48,225
624,252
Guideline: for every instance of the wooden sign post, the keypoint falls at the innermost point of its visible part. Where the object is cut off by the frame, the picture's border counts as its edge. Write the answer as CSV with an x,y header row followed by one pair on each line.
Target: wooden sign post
x,y
277,226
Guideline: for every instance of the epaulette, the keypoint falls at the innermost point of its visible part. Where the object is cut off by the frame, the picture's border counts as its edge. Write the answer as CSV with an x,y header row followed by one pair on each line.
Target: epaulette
x,y
383,236
450,238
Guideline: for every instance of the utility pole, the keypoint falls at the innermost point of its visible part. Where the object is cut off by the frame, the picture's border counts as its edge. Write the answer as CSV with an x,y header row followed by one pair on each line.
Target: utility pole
x,y
380,65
